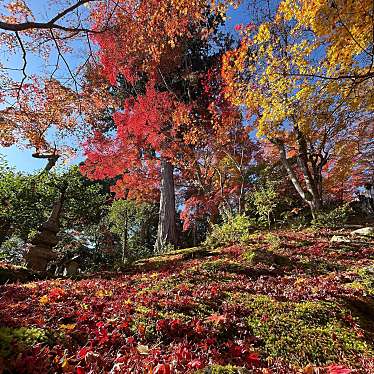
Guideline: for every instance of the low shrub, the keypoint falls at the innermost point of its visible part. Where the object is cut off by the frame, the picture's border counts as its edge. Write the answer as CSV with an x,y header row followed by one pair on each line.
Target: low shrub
x,y
332,218
17,339
235,230
12,250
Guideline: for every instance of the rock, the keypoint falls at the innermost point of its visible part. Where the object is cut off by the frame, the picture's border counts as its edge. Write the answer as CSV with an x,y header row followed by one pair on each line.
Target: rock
x,y
70,269
339,239
365,231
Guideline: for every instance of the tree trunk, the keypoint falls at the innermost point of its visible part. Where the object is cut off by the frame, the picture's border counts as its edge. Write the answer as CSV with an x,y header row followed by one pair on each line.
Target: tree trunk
x,y
166,233
4,231
125,251
310,196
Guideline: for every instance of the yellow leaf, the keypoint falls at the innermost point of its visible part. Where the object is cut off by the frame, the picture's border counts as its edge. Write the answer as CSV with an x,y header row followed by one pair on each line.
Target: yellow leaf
x,y
142,349
30,285
103,293
309,369
44,300
66,367
69,326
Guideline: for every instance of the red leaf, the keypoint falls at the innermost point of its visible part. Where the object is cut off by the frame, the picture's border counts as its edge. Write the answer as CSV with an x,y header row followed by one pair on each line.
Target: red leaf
x,y
195,364
338,369
83,352
215,318
253,358
162,369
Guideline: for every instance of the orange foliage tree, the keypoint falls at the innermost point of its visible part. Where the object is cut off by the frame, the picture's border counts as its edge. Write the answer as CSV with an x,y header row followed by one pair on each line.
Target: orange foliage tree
x,y
153,55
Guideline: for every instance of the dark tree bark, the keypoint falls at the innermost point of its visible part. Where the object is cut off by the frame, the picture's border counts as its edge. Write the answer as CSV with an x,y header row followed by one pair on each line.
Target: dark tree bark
x,y
166,233
125,235
49,25
5,227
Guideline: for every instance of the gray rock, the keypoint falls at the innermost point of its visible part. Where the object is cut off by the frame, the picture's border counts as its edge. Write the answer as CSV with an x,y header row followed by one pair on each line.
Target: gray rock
x,y
365,231
339,239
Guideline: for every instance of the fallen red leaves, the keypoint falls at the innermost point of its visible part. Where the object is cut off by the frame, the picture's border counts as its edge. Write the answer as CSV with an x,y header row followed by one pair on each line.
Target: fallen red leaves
x,y
176,319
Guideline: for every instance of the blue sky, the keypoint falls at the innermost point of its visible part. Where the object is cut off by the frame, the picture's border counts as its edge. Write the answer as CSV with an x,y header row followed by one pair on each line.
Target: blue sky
x,y
20,158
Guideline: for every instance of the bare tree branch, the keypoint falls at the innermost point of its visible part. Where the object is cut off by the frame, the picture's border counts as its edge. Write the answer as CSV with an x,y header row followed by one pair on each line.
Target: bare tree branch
x,y
339,77
64,59
51,24
24,64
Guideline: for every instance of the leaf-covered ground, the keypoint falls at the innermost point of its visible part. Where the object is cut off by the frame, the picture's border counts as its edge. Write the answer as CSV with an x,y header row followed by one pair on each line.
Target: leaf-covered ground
x,y
286,302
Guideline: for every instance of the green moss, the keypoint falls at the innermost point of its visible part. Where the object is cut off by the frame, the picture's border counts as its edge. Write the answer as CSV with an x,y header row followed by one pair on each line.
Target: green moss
x,y
224,265
356,285
144,326
366,275
218,369
194,252
263,256
172,257
13,340
319,266
274,241
303,243
303,332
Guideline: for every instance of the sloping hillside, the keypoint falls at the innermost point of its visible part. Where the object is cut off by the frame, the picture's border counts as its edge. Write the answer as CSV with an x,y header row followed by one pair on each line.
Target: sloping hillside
x,y
285,302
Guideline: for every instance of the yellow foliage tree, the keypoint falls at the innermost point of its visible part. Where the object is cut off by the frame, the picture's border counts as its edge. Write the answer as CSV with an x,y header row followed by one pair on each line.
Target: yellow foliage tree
x,y
305,74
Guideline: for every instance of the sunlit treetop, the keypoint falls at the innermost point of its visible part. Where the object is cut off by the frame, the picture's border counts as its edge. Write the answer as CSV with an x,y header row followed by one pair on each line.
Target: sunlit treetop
x,y
305,74
344,27
307,52
149,36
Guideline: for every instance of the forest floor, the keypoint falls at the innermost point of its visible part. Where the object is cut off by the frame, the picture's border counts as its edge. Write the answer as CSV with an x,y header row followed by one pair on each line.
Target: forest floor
x,y
284,302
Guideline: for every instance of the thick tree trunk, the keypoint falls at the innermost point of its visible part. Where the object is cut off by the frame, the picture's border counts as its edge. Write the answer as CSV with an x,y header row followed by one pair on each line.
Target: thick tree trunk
x,y
166,233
